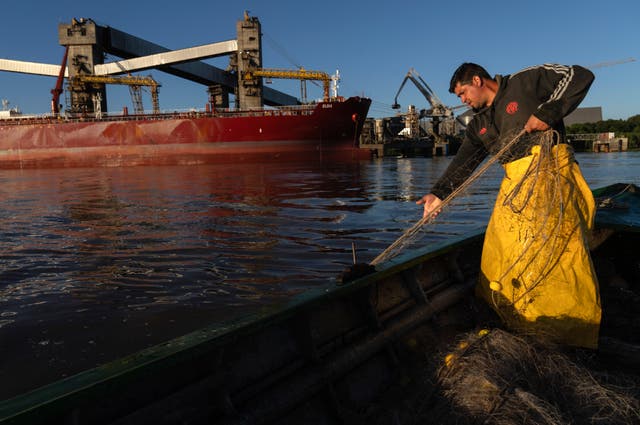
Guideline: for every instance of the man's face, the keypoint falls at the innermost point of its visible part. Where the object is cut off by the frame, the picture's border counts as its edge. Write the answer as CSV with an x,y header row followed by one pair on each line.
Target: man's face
x,y
471,93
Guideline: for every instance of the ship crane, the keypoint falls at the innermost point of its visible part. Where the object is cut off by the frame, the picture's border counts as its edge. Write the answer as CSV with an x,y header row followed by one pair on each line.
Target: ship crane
x,y
57,90
134,82
438,109
300,74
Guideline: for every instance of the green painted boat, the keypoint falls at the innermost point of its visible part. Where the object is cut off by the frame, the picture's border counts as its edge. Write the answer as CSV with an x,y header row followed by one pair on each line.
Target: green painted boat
x,y
331,355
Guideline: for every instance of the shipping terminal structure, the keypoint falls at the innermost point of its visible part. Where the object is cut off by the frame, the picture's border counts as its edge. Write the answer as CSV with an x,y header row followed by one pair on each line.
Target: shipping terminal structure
x,y
263,124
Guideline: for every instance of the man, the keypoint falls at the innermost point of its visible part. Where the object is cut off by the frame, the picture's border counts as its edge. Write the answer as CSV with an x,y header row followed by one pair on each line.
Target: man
x,y
536,270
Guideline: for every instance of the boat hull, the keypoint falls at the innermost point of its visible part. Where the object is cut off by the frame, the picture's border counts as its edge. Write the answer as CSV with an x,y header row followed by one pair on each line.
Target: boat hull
x,y
330,130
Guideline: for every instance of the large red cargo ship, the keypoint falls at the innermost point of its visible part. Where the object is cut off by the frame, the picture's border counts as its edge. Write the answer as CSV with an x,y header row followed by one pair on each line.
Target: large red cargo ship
x,y
327,129
85,136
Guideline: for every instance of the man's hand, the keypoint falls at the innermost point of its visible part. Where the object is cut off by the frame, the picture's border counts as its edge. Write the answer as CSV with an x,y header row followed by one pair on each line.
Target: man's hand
x,y
431,203
535,124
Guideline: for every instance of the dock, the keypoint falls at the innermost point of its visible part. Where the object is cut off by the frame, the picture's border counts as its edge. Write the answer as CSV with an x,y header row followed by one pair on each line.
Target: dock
x,y
408,148
598,142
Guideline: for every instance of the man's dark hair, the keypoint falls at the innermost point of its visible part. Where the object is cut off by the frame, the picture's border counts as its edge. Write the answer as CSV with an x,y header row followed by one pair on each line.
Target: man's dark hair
x,y
465,73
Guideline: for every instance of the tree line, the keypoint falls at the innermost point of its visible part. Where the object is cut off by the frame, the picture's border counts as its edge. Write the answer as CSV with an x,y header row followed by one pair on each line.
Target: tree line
x,y
629,128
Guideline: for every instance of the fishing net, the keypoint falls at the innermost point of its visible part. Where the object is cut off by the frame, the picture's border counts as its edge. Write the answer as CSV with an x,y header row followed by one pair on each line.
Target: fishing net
x,y
500,378
536,270
511,146
537,198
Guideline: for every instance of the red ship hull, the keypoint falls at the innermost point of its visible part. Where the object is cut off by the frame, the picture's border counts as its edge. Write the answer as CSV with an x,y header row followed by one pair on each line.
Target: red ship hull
x,y
325,130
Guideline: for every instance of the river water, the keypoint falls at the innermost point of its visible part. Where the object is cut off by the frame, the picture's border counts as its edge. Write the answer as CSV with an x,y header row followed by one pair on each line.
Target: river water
x,y
98,263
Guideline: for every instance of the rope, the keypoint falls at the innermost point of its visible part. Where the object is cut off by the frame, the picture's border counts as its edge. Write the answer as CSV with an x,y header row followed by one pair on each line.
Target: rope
x,y
387,253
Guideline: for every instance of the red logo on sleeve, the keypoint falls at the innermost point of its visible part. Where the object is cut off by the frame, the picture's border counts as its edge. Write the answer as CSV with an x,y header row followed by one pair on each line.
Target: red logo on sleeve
x,y
512,108
483,130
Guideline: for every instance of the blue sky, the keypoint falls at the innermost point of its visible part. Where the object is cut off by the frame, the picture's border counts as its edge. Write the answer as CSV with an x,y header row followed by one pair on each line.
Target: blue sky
x,y
372,43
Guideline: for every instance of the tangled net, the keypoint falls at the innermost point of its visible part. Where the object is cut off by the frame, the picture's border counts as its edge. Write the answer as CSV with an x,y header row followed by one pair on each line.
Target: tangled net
x,y
538,198
500,378
510,147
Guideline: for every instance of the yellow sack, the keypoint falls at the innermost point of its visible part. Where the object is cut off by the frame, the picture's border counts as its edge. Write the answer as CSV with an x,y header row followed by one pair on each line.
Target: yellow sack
x,y
536,270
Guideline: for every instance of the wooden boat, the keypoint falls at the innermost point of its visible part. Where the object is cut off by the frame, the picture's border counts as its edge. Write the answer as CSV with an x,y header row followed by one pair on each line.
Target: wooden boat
x,y
328,356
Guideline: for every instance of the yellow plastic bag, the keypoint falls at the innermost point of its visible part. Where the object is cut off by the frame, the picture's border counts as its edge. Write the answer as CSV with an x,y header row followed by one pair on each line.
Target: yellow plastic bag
x,y
536,270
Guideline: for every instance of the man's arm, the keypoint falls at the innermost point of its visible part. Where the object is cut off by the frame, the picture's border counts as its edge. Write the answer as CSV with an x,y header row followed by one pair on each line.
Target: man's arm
x,y
566,87
470,154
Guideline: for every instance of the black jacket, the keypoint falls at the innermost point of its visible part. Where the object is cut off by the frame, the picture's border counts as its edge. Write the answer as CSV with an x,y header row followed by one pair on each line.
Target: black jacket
x,y
550,92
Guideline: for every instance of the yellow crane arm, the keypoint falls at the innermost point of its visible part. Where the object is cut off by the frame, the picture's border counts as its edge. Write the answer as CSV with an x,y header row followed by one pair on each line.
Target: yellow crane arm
x,y
130,80
300,74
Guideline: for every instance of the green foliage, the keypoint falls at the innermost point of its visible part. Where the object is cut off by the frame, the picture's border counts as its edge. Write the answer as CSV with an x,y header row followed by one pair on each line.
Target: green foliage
x,y
629,128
